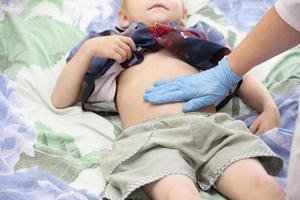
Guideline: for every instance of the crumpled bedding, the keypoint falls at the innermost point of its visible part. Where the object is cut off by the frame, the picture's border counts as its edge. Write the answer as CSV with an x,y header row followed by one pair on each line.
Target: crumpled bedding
x,y
58,149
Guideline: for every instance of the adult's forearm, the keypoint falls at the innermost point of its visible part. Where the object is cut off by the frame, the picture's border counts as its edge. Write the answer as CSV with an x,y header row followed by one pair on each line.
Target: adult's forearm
x,y
270,37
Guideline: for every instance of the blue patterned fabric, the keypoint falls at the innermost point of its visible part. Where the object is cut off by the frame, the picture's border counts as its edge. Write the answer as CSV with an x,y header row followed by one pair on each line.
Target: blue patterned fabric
x,y
33,184
243,15
17,135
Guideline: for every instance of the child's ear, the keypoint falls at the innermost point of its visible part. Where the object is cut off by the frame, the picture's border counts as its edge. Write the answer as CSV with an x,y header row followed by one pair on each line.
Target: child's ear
x,y
123,19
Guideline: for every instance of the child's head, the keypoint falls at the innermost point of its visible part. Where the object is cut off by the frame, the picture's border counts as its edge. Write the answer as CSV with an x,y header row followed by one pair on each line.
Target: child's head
x,y
151,11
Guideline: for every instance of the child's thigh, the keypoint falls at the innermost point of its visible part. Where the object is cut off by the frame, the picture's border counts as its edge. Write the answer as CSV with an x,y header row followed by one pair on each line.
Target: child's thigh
x,y
174,186
244,176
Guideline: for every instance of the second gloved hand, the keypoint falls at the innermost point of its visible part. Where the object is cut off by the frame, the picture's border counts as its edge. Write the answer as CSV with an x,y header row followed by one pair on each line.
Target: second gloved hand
x,y
199,90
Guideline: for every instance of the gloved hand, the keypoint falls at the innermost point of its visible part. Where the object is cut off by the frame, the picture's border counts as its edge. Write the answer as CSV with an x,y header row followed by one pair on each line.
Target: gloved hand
x,y
200,90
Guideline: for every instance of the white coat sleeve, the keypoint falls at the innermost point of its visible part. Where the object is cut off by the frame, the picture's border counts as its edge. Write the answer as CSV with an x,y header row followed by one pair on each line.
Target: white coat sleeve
x,y
289,11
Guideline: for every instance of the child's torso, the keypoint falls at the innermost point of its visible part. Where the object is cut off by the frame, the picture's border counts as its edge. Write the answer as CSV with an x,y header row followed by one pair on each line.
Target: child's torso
x,y
133,82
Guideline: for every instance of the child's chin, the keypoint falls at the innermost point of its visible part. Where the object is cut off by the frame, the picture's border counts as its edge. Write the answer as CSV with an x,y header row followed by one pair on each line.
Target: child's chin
x,y
158,17
161,21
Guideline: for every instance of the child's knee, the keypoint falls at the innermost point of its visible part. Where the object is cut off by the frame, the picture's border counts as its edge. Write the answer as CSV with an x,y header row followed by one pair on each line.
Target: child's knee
x,y
267,186
183,193
173,187
262,181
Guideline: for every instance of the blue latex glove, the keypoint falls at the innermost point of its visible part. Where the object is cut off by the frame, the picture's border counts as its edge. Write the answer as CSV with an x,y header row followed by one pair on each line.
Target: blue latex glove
x,y
199,90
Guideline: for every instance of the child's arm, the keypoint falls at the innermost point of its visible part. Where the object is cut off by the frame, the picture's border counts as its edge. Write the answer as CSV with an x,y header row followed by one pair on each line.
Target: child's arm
x,y
257,96
70,84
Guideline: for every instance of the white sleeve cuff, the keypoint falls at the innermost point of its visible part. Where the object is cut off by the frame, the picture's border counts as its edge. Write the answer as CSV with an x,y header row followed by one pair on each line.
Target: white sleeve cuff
x,y
289,11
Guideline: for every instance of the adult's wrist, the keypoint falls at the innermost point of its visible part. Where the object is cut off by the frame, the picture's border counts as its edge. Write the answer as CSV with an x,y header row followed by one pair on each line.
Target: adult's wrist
x,y
230,77
235,64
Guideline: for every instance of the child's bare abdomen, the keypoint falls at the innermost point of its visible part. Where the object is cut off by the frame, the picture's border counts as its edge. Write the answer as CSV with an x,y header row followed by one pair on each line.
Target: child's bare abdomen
x,y
133,82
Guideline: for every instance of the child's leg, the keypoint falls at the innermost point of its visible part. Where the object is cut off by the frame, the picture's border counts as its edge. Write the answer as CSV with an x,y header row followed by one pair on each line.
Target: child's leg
x,y
247,179
173,187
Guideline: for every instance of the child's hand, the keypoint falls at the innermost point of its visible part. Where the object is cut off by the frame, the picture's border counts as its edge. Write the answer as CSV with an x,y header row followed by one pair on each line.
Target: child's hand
x,y
115,47
267,120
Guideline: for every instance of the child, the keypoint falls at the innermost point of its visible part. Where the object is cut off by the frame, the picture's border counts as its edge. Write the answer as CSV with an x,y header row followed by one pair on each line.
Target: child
x,y
168,154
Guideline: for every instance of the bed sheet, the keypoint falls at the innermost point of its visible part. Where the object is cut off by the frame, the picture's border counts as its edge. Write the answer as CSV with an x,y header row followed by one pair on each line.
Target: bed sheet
x,y
47,153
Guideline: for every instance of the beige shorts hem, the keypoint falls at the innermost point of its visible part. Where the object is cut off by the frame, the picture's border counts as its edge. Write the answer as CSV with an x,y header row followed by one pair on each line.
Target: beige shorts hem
x,y
148,180
220,170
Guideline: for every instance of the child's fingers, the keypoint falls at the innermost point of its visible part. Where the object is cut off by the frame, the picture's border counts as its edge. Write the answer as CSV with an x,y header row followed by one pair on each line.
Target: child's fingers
x,y
129,41
259,131
116,54
264,128
117,57
122,53
126,48
254,126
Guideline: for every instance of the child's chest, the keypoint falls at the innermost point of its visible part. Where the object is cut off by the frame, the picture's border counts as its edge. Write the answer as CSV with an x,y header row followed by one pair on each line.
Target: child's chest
x,y
156,66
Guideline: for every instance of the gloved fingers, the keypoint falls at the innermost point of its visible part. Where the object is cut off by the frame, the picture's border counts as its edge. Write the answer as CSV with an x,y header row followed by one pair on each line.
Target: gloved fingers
x,y
196,104
164,82
161,89
163,98
172,80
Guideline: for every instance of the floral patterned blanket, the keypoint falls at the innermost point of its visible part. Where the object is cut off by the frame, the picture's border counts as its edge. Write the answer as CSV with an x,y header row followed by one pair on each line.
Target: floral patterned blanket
x,y
46,153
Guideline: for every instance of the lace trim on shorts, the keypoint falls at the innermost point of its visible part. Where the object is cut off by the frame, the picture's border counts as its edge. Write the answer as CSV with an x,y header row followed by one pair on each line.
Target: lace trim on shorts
x,y
220,170
128,156
148,180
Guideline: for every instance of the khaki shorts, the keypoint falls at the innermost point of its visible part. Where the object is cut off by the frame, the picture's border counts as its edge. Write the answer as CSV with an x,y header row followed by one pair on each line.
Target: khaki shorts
x,y
198,145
